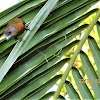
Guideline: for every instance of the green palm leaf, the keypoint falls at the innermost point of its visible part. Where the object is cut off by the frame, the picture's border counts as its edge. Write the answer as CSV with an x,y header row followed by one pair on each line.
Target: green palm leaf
x,y
31,67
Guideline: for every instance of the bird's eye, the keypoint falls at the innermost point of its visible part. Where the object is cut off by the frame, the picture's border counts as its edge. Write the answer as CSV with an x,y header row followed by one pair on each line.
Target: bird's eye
x,y
9,31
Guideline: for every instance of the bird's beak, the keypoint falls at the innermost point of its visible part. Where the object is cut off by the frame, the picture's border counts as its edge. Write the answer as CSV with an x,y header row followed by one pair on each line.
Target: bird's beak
x,y
8,37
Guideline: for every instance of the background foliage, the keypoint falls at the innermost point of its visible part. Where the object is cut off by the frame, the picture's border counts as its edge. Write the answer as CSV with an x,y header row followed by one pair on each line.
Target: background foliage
x,y
43,61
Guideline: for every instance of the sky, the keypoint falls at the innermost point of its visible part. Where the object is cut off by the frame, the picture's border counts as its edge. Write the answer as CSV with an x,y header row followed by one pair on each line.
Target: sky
x,y
4,4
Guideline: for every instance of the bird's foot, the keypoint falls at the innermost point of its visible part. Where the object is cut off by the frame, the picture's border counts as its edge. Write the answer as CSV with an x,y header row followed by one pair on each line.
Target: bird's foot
x,y
27,28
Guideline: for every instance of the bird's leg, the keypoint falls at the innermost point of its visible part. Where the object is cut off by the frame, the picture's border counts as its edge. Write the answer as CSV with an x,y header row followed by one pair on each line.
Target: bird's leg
x,y
16,38
27,28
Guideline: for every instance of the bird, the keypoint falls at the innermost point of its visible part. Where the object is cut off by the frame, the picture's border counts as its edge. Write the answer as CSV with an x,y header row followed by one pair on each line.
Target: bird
x,y
14,29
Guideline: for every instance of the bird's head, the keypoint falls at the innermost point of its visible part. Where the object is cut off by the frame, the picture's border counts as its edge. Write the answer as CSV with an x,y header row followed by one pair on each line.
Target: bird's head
x,y
10,32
